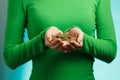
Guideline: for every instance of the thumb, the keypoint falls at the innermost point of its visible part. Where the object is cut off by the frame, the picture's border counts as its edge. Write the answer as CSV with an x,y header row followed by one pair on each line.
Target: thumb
x,y
79,38
49,37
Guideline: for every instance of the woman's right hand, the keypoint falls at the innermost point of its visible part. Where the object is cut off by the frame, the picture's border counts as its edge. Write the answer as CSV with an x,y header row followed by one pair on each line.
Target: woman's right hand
x,y
56,44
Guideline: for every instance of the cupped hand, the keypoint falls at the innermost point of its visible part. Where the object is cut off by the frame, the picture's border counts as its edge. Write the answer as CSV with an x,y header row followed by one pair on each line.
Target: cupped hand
x,y
56,44
75,32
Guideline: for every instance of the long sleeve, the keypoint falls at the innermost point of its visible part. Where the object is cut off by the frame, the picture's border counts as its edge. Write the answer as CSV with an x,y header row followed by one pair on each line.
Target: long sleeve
x,y
104,47
17,52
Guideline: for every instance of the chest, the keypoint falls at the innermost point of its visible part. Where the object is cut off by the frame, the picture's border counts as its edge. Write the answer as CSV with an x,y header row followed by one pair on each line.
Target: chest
x,y
61,13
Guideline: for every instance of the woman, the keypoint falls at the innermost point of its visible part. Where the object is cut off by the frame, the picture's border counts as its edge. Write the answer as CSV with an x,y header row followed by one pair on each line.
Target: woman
x,y
55,59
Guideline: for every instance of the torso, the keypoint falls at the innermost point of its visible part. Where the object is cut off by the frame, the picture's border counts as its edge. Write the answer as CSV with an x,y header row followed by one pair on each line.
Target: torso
x,y
54,65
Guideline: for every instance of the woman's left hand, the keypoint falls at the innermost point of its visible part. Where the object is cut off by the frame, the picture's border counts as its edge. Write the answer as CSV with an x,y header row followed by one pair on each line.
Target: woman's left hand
x,y
78,33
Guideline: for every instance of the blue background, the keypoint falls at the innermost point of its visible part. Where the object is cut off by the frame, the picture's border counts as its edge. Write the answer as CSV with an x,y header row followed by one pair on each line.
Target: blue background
x,y
102,70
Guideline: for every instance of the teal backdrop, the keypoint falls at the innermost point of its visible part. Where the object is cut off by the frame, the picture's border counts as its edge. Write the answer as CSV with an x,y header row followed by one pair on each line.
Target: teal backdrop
x,y
102,70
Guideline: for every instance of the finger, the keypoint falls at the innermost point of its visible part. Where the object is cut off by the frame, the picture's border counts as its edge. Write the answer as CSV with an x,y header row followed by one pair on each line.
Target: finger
x,y
72,47
66,49
76,44
80,37
48,37
69,48
54,42
58,45
47,43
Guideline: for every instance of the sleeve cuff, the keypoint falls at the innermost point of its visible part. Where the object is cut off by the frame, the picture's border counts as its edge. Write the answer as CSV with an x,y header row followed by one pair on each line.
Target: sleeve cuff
x,y
87,43
43,34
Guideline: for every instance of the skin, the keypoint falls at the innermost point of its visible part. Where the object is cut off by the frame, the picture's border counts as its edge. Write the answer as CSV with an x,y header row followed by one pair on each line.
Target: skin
x,y
75,32
64,46
54,44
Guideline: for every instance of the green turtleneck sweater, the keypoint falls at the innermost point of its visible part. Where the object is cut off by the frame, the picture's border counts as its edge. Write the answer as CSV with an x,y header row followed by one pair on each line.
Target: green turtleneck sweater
x,y
48,64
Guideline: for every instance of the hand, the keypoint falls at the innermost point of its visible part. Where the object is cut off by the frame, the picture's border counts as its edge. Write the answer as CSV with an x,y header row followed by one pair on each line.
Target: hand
x,y
75,32
56,44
